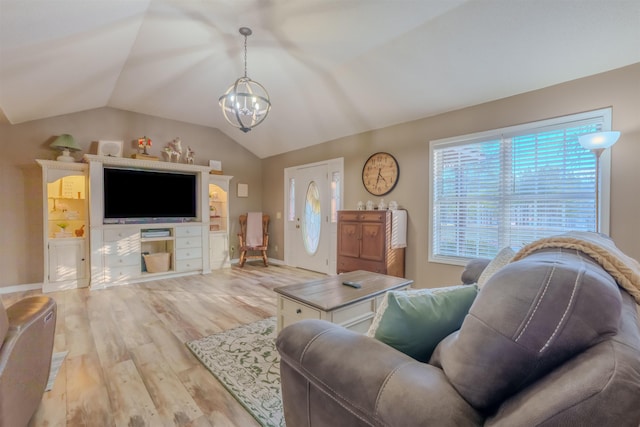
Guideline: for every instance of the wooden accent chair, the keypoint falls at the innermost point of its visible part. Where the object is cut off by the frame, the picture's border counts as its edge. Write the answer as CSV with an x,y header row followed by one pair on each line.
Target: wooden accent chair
x,y
248,246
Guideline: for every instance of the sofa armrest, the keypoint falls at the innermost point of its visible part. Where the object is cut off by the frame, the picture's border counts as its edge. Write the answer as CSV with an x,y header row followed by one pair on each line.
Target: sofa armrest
x,y
332,376
473,270
25,358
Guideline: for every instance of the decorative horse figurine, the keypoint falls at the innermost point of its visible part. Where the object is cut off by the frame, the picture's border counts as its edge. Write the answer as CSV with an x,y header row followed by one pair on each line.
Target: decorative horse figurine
x,y
190,154
174,149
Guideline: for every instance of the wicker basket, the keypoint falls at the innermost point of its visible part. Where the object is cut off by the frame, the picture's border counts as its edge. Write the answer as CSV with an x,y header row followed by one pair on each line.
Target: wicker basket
x,y
158,262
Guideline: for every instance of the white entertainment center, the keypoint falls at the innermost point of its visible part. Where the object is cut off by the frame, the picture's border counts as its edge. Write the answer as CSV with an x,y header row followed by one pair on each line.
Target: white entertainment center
x,y
129,250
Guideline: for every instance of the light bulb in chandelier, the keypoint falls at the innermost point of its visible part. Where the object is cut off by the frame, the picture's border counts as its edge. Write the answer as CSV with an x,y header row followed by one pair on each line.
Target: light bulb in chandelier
x,y
246,103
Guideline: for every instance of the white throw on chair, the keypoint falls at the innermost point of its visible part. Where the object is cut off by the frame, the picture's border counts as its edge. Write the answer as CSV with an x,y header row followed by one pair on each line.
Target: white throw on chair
x,y
253,236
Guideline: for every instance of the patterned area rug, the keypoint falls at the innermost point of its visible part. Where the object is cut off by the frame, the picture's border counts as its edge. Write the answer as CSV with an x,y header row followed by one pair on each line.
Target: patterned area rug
x,y
246,362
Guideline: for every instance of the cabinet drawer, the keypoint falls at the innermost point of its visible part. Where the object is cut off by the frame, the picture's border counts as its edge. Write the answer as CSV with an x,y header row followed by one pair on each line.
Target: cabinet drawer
x,y
292,311
189,264
188,242
351,264
188,231
115,234
121,274
121,260
188,253
348,216
354,313
124,247
373,216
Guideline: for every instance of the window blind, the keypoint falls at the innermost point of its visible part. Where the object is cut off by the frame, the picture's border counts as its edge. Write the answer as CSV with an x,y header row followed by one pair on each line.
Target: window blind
x,y
512,186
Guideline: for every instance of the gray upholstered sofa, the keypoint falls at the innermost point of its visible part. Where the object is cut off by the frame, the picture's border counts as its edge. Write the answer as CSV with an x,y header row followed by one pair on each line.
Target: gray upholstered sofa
x,y
550,340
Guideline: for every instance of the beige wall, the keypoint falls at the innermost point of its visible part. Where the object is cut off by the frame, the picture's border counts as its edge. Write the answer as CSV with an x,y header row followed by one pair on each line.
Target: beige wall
x,y
21,195
21,241
409,143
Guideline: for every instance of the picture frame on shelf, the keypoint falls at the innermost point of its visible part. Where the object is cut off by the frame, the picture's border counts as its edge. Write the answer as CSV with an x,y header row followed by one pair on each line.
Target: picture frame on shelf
x,y
243,190
110,148
216,167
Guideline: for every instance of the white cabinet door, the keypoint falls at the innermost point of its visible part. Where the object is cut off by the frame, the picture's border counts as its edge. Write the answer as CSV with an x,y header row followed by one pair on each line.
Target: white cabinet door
x,y
67,260
219,250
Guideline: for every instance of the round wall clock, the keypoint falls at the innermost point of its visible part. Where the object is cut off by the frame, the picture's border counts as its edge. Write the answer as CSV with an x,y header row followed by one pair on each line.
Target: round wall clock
x,y
380,173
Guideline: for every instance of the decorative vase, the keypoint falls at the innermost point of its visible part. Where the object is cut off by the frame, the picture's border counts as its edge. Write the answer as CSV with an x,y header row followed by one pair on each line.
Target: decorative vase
x,y
79,232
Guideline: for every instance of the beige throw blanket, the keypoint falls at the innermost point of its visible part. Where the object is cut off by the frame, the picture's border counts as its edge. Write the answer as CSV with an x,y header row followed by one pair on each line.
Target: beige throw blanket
x,y
254,229
624,269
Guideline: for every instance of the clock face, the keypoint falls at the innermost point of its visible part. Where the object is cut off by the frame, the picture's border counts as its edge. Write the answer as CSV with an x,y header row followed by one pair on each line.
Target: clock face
x,y
380,174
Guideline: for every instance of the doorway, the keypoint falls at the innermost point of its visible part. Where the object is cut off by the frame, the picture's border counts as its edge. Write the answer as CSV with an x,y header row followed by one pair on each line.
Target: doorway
x,y
313,195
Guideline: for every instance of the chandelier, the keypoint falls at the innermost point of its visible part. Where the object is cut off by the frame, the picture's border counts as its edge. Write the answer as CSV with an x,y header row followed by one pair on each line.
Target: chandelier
x,y
246,103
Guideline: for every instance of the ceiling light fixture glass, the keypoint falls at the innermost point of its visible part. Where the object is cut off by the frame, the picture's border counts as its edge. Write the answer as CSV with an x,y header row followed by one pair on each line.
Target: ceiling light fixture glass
x,y
246,103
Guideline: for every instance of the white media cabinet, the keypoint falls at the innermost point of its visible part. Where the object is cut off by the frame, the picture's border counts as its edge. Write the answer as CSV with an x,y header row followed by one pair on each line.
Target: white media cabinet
x,y
117,256
116,250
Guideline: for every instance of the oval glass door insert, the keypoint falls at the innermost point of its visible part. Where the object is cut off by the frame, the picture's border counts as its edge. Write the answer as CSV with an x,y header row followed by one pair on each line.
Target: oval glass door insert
x,y
312,219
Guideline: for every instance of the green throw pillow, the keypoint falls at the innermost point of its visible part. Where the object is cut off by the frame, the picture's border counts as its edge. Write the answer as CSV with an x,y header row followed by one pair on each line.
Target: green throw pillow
x,y
415,321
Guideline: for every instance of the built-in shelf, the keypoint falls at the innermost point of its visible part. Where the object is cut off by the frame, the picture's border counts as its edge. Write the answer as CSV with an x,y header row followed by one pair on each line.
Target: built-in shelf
x,y
111,254
117,248
145,164
65,225
219,253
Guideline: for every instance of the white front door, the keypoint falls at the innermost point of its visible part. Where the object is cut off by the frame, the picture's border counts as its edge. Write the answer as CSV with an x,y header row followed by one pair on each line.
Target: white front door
x,y
310,232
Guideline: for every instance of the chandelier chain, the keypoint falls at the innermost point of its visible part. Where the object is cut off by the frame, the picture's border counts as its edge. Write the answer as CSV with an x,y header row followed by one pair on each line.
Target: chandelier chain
x,y
245,55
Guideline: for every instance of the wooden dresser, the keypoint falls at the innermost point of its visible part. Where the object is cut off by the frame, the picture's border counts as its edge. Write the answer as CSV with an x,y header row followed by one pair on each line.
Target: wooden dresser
x,y
364,243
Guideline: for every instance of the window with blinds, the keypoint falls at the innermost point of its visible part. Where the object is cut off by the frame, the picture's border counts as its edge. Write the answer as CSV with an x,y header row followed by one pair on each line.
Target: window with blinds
x,y
511,186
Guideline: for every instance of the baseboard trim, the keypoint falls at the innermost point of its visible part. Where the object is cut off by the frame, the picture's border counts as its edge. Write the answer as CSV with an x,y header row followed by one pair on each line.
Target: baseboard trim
x,y
273,261
39,286
20,288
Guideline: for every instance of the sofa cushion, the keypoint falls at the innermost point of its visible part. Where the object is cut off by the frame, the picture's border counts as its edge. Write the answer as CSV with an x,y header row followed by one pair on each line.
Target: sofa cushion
x,y
598,387
531,316
473,270
501,259
415,321
332,376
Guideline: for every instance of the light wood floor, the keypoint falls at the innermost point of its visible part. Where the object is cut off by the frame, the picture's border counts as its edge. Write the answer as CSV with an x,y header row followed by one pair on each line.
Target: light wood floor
x,y
128,364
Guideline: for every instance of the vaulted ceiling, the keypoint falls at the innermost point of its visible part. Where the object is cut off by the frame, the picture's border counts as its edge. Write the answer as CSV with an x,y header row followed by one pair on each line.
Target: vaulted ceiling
x,y
332,67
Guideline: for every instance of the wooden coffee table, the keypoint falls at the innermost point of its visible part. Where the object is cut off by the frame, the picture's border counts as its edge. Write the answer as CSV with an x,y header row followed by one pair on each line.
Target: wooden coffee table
x,y
330,300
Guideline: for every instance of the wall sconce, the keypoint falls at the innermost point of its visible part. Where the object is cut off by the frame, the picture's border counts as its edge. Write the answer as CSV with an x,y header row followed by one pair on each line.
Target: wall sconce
x,y
598,142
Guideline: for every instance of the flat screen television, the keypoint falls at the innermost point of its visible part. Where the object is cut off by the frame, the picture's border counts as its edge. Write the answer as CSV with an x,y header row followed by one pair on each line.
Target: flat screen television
x,y
143,195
